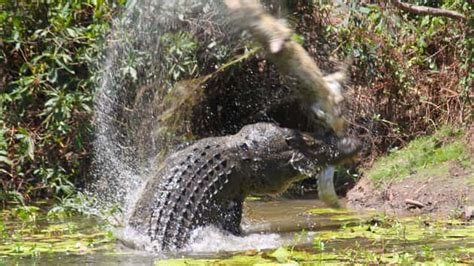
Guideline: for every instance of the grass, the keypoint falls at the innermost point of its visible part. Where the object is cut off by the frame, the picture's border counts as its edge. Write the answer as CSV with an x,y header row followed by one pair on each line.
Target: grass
x,y
424,155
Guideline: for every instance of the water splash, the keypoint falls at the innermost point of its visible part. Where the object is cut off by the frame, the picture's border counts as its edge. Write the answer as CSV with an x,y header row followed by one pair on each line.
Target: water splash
x,y
211,239
135,78
141,67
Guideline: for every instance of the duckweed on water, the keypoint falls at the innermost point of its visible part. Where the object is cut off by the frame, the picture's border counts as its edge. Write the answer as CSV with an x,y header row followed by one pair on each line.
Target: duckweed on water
x,y
330,211
378,240
358,255
363,238
26,231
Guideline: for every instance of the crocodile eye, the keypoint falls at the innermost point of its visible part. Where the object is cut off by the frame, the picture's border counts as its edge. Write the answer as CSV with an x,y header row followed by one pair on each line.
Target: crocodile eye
x,y
309,140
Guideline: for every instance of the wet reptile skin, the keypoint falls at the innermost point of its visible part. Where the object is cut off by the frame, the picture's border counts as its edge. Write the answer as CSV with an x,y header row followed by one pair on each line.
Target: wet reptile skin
x,y
206,183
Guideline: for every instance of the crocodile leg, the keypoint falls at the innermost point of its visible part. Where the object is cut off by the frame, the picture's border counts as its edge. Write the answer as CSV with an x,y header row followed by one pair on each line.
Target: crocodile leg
x,y
231,216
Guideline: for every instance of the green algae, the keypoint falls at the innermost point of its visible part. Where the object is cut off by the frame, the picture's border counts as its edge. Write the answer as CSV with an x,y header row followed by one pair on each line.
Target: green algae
x,y
342,215
281,256
362,238
234,260
24,235
357,254
373,239
331,211
252,198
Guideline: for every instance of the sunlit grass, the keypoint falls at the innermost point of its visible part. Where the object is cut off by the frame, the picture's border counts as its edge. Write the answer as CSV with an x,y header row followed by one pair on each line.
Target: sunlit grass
x,y
423,155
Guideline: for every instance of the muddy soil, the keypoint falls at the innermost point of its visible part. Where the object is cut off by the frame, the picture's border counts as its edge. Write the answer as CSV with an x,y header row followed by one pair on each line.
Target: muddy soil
x,y
449,194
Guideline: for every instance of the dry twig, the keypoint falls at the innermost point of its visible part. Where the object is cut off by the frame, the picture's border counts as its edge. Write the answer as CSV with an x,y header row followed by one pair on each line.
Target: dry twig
x,y
414,203
423,10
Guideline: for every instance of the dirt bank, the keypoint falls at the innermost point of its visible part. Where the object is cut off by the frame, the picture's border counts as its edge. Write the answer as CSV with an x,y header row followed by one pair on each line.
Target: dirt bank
x,y
446,194
445,189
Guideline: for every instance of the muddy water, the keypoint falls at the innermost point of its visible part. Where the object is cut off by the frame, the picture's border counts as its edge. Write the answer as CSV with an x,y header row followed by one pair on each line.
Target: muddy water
x,y
289,231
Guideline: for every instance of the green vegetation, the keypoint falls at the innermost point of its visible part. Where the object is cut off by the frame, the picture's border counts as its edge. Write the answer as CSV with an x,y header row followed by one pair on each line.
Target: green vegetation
x,y
403,64
48,52
180,56
423,156
29,232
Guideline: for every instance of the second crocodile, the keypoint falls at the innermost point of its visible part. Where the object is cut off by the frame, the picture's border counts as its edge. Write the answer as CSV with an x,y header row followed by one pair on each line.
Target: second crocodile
x,y
206,183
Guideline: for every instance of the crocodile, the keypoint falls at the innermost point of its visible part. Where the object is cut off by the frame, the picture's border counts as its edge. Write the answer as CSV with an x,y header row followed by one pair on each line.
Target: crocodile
x,y
207,182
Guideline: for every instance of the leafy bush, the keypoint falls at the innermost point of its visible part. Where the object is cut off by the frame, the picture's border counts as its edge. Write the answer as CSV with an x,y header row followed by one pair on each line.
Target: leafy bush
x,y
412,73
48,50
180,55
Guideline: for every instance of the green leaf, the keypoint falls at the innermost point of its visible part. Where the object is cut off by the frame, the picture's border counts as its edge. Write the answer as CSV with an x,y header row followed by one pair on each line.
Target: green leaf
x,y
281,254
25,139
364,10
298,38
5,160
71,33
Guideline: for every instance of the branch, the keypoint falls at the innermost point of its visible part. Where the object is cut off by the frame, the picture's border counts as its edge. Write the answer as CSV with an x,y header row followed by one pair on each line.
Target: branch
x,y
423,10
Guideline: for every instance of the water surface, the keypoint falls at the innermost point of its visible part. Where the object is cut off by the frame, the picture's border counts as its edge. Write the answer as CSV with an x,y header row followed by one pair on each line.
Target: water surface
x,y
277,231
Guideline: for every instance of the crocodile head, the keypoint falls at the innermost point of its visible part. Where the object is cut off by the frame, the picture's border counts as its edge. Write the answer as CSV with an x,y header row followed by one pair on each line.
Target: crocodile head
x,y
279,156
331,150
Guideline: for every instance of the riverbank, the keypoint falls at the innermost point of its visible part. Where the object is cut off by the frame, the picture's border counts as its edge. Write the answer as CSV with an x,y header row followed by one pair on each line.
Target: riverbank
x,y
431,175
